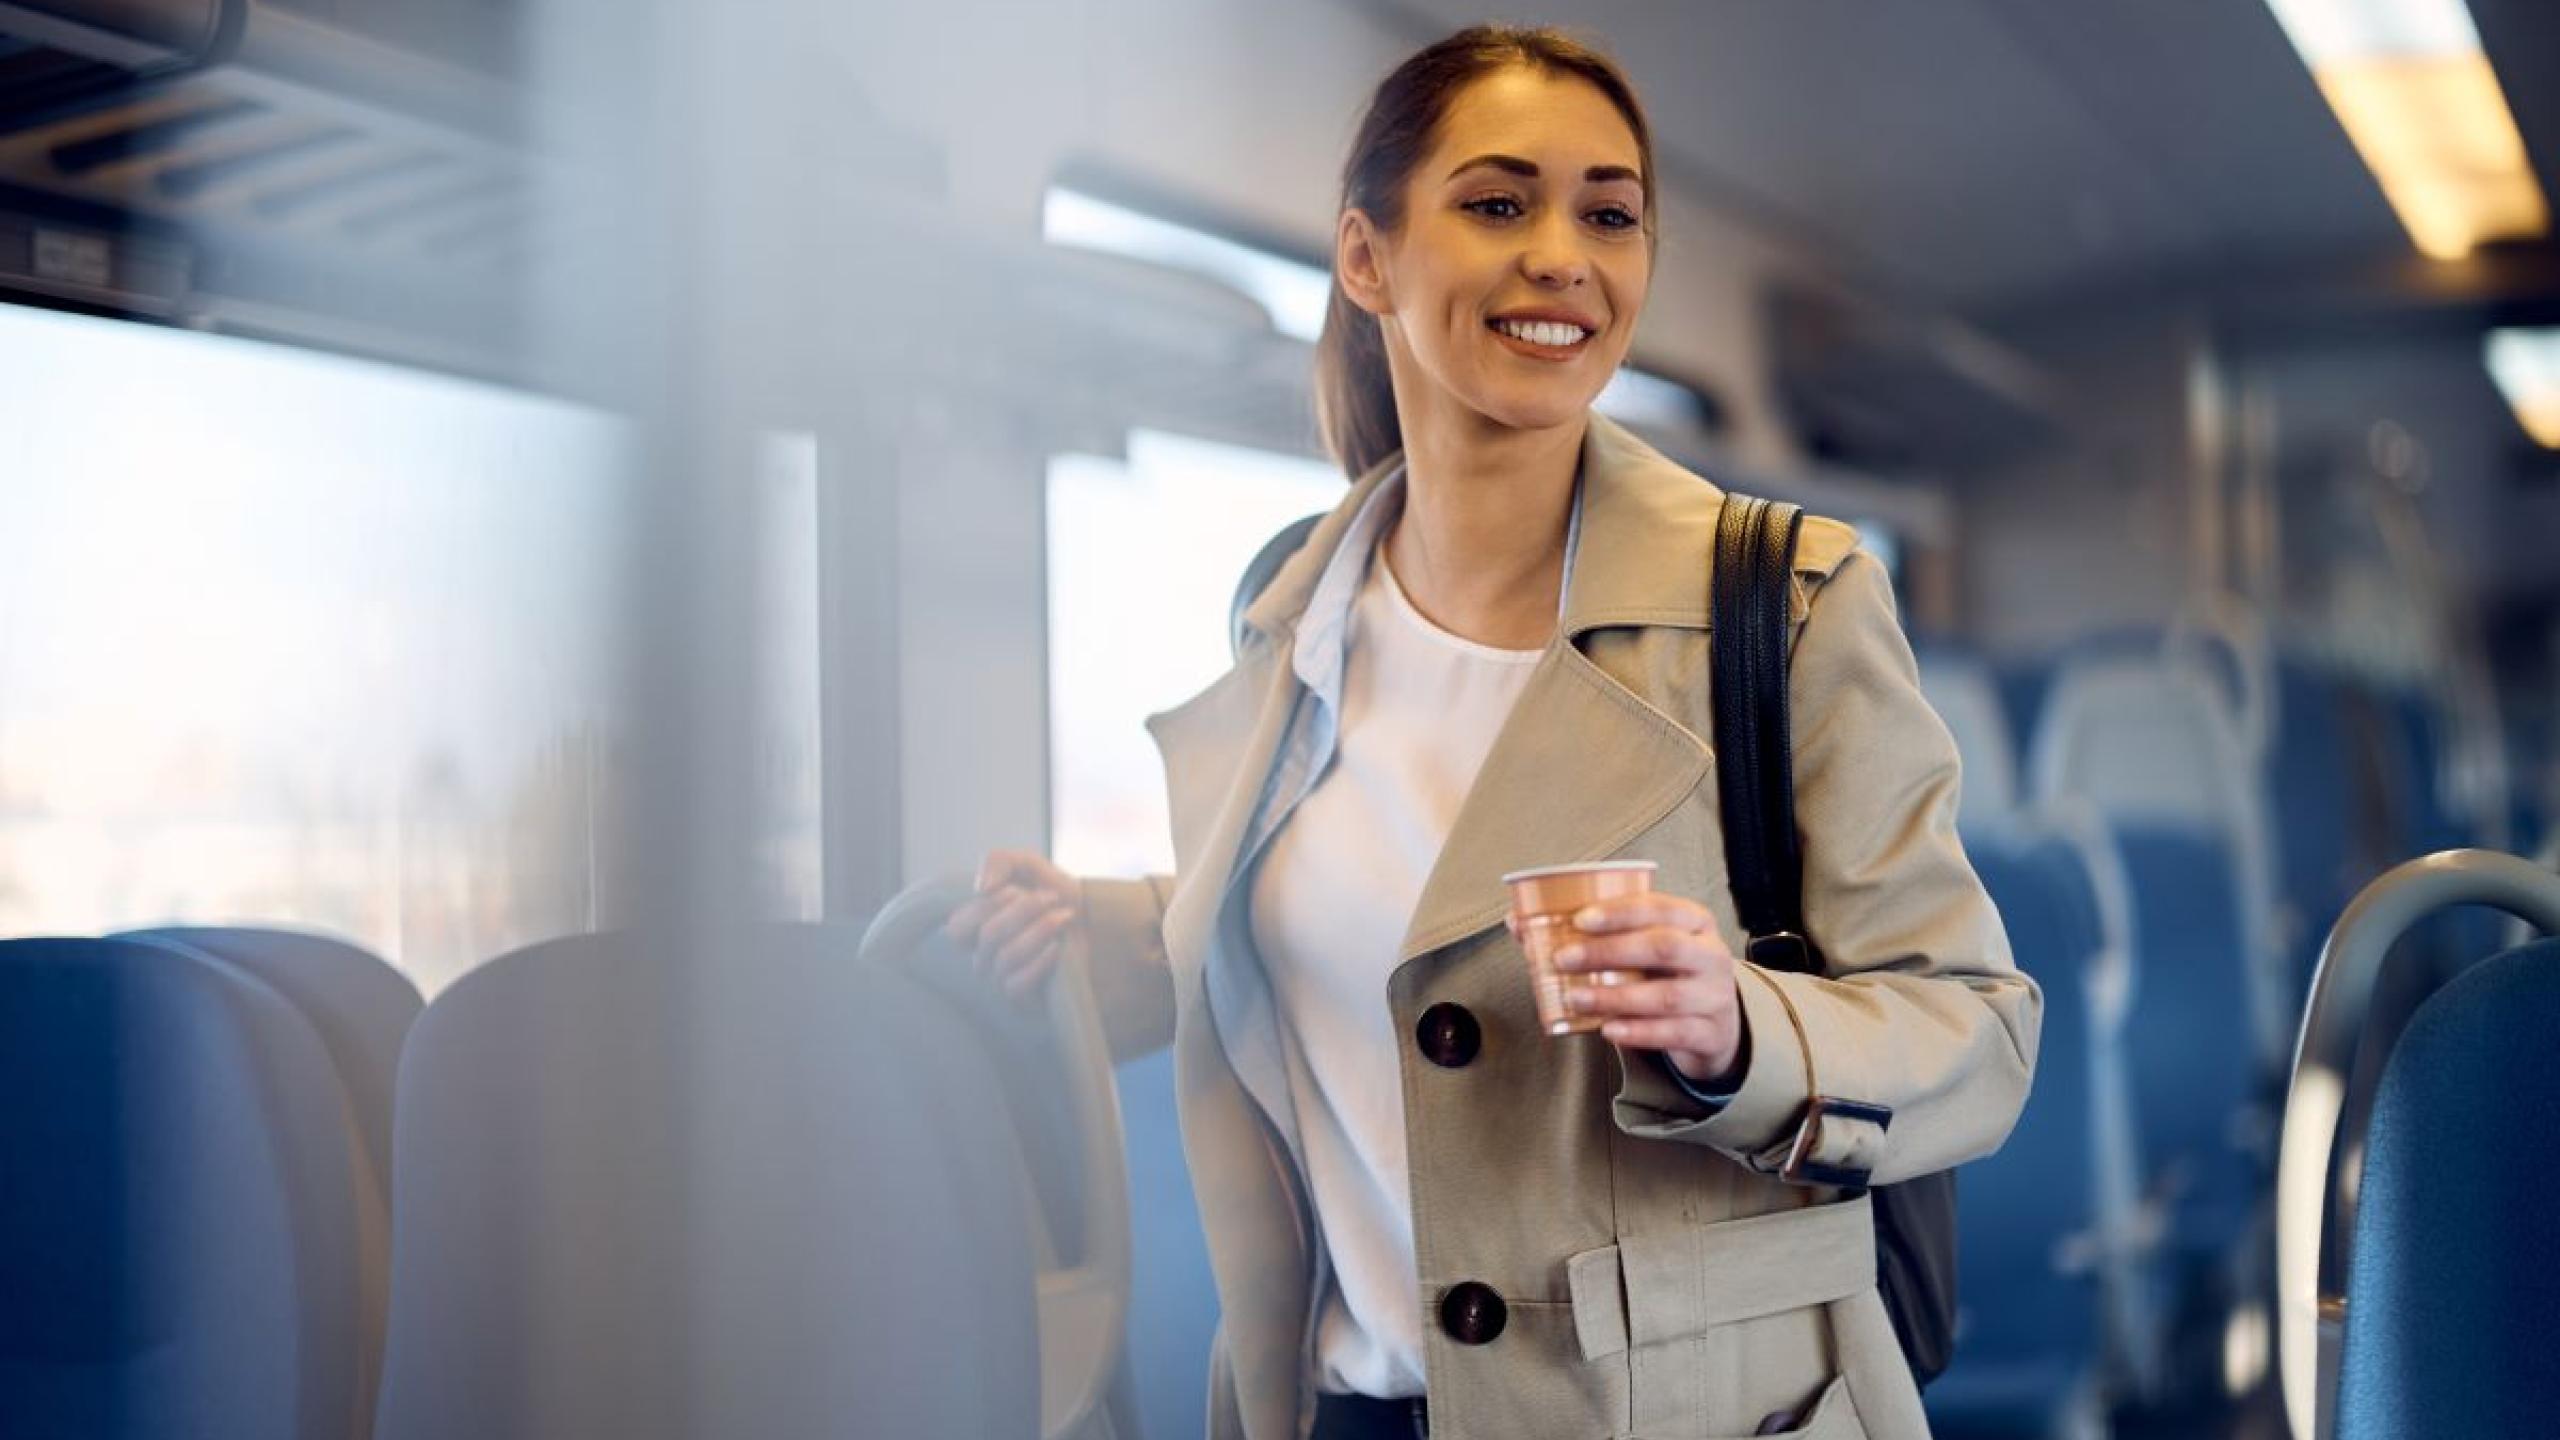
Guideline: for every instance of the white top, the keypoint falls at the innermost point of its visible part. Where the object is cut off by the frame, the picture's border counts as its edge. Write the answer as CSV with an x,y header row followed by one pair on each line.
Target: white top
x,y
1331,900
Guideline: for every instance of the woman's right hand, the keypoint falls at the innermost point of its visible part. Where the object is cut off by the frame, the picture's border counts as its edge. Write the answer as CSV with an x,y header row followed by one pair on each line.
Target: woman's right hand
x,y
1027,916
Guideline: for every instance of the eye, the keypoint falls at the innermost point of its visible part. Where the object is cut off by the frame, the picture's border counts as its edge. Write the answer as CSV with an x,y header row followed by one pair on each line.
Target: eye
x,y
1615,217
1494,207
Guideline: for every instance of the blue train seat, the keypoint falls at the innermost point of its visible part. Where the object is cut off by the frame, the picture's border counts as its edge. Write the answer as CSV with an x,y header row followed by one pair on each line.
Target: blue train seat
x,y
2152,743
2161,748
2327,791
2204,1120
358,1005
2416,1267
2414,727
2418,727
361,1010
2024,682
2031,1352
178,1251
2456,1269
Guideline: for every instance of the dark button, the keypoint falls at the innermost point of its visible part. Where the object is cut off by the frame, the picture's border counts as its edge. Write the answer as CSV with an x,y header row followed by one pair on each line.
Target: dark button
x,y
1472,1313
1449,1035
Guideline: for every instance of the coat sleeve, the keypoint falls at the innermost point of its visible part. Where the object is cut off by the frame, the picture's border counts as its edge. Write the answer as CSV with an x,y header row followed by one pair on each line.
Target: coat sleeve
x,y
1132,980
1921,1008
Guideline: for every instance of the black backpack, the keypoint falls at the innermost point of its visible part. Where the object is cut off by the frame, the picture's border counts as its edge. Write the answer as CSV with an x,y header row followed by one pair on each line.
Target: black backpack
x,y
1764,864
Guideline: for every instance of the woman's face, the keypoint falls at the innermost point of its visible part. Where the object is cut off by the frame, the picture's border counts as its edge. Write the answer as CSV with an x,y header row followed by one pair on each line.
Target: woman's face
x,y
1512,288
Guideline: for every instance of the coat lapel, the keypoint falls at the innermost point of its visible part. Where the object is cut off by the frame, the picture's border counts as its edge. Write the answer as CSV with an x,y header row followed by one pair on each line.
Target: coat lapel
x,y
1218,751
1581,768
1583,765
1218,747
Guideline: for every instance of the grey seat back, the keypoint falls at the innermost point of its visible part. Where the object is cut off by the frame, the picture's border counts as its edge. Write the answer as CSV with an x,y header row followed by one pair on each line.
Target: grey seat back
x,y
644,1192
1966,695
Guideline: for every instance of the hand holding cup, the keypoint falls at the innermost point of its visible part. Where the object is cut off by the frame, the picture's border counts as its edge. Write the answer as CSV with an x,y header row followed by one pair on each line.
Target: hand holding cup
x,y
1649,971
1685,1001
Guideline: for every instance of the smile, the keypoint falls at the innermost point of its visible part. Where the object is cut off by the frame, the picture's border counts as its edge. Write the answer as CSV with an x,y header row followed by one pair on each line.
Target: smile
x,y
1548,335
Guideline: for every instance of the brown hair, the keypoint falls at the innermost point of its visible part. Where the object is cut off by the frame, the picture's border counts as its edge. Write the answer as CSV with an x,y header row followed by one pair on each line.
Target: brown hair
x,y
1355,399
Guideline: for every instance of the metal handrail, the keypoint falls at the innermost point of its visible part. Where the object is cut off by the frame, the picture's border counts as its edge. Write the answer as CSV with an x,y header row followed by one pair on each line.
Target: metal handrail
x,y
2311,1288
1091,1299
2234,807
2228,621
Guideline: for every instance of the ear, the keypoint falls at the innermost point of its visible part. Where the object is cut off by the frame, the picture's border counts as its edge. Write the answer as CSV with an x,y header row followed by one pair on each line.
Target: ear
x,y
1359,262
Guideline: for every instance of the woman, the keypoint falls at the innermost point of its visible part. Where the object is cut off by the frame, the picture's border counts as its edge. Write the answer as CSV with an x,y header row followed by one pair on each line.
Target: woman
x,y
1492,655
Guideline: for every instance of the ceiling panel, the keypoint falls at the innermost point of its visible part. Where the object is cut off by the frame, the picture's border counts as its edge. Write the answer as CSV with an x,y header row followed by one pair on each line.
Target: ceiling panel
x,y
1985,153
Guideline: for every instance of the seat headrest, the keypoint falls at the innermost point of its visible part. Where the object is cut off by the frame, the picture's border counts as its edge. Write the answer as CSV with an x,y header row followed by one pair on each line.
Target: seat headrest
x,y
1966,696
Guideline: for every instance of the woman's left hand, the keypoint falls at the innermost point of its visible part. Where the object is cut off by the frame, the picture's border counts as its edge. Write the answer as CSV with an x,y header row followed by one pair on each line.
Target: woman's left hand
x,y
1685,1004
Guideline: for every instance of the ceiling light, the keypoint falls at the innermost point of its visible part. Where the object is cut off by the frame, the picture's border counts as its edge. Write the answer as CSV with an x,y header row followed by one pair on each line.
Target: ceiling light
x,y
2409,83
2526,365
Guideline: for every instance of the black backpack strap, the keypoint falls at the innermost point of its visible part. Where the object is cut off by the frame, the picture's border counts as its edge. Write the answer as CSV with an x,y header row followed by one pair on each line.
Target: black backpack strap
x,y
1266,562
1915,1220
1755,770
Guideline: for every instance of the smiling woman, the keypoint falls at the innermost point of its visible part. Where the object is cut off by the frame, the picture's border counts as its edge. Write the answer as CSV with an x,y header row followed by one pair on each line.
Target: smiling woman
x,y
1426,1212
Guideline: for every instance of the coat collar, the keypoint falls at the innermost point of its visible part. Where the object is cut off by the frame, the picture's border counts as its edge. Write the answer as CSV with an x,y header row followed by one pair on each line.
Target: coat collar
x,y
1639,508
1648,532
1584,764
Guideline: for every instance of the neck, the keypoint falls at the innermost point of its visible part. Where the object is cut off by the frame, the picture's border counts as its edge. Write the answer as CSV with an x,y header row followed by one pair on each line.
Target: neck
x,y
1479,548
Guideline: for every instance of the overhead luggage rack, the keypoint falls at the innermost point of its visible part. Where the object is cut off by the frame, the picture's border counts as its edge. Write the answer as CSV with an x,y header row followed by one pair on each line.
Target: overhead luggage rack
x,y
234,165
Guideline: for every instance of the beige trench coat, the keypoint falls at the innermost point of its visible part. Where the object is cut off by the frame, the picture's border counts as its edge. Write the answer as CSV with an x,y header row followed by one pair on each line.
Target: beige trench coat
x,y
1657,1278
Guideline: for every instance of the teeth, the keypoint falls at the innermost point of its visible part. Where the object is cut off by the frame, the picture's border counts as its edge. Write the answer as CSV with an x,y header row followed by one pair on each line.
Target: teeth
x,y
1544,332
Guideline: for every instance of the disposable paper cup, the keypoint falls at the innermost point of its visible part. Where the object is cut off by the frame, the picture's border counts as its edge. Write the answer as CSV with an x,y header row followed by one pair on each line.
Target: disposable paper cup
x,y
1543,902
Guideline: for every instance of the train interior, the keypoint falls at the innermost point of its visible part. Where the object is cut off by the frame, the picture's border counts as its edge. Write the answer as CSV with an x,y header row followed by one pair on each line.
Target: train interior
x,y
540,540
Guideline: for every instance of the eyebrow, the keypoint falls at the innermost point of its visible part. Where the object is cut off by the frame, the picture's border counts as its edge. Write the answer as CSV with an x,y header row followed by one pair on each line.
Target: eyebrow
x,y
1513,164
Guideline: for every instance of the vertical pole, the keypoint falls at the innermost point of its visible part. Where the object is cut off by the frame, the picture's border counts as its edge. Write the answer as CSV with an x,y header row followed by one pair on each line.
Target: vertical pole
x,y
2208,461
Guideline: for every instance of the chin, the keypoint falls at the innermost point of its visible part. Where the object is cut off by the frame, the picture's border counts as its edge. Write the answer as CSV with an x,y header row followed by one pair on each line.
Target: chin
x,y
1537,412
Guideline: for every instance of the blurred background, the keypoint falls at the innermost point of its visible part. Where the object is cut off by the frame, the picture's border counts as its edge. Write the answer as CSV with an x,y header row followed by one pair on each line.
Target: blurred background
x,y
622,490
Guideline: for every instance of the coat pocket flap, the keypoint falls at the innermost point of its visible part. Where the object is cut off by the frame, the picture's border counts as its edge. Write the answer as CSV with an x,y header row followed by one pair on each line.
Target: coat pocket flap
x,y
1647,1289
1599,1302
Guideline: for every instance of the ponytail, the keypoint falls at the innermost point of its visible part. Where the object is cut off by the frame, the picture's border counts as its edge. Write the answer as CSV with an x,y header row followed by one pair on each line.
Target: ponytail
x,y
1355,397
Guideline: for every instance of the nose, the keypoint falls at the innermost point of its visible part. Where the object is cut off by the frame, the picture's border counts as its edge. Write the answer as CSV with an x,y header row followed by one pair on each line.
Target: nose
x,y
1554,258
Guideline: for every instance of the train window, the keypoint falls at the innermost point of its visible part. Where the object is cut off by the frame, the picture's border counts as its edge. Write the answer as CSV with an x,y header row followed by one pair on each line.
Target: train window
x,y
287,638
1643,398
1879,540
1144,555
790,793
1295,292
